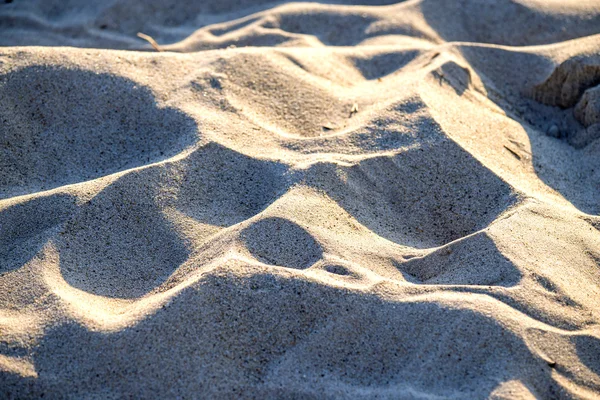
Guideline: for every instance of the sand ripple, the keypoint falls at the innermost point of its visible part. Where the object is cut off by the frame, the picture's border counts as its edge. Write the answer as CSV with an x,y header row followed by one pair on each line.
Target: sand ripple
x,y
300,200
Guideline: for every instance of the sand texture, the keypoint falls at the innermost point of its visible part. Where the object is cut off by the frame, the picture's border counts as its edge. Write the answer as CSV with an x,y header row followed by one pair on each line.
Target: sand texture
x,y
327,200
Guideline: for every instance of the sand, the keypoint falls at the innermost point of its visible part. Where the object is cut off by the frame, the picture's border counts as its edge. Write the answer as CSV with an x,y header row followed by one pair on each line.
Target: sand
x,y
300,200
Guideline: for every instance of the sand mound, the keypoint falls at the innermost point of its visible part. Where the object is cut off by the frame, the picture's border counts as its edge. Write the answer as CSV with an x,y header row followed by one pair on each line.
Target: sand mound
x,y
71,125
278,241
415,198
316,200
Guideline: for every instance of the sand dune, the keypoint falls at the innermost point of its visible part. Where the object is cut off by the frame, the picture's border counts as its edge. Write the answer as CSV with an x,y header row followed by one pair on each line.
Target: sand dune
x,y
300,200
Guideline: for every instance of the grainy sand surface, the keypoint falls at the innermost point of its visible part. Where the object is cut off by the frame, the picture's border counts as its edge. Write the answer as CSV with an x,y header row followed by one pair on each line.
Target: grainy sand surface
x,y
300,200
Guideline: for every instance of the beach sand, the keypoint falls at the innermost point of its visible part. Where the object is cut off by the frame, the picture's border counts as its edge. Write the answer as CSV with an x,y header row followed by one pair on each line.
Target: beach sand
x,y
300,200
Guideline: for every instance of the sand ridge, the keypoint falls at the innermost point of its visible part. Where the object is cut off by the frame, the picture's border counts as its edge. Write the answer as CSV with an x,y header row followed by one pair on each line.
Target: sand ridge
x,y
300,200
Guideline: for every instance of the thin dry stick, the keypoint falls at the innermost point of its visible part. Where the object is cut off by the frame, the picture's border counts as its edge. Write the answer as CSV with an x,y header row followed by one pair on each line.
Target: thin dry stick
x,y
514,153
150,40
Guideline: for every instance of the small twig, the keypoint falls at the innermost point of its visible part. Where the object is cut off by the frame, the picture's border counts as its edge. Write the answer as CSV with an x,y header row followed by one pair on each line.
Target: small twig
x,y
150,40
441,77
514,153
520,145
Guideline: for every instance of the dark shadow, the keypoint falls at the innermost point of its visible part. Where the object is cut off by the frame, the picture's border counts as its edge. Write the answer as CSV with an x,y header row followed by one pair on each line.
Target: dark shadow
x,y
455,75
222,187
26,227
268,336
423,197
588,349
375,66
61,126
474,260
332,28
120,244
338,269
506,22
281,242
